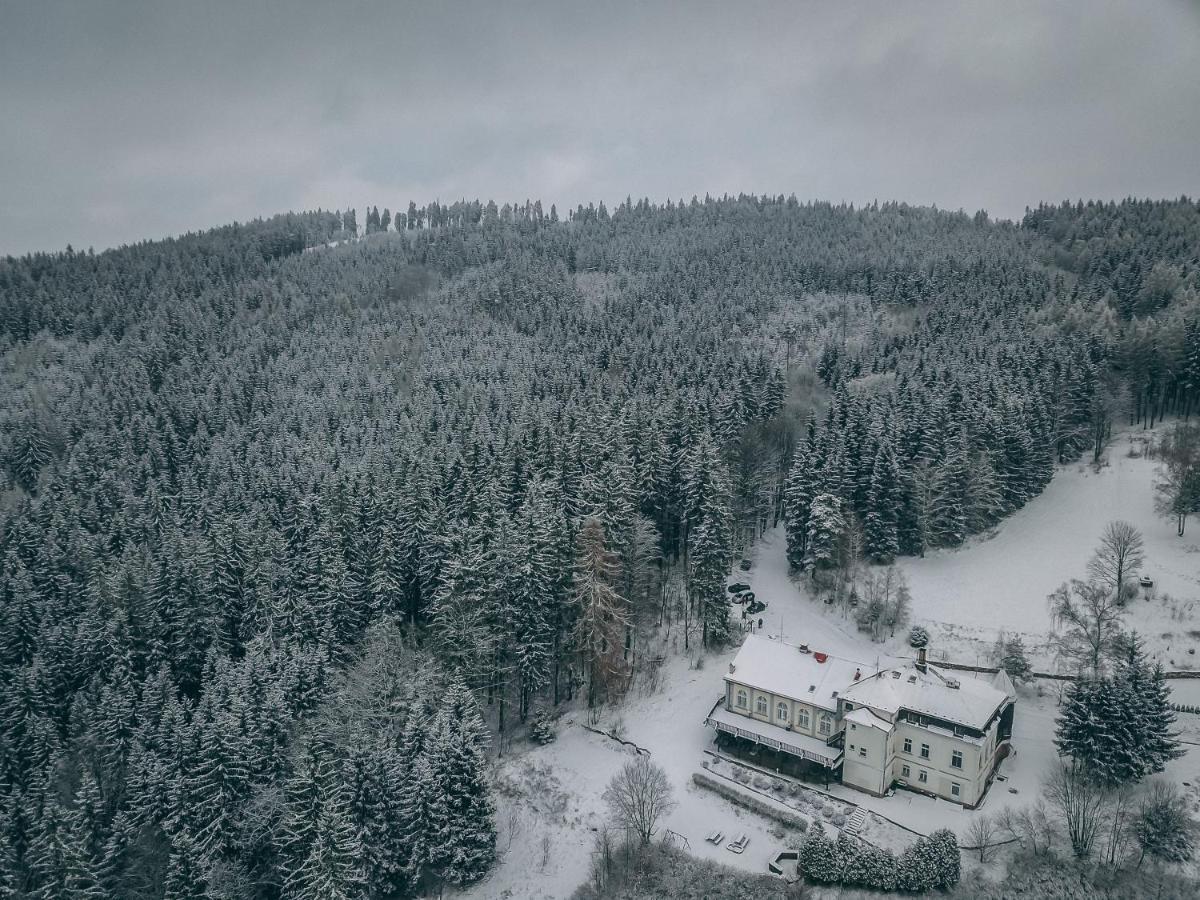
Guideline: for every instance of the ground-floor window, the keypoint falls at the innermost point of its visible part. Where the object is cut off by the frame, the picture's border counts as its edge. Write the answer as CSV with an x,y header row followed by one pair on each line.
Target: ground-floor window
x,y
955,789
905,771
922,776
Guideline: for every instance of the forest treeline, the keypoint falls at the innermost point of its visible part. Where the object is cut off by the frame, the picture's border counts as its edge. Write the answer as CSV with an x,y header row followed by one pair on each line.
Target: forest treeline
x,y
287,511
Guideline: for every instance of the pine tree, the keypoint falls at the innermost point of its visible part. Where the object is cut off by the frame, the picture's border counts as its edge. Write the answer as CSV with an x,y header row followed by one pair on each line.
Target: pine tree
x,y
324,853
881,541
949,513
1118,729
460,770
826,527
86,854
186,876
798,496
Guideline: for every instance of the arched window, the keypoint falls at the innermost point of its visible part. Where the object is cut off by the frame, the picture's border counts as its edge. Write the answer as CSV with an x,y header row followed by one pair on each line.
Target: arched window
x,y
781,711
760,706
826,724
743,701
802,718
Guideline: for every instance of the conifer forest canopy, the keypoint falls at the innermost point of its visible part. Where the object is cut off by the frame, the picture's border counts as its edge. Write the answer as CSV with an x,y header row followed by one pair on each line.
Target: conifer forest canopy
x,y
295,526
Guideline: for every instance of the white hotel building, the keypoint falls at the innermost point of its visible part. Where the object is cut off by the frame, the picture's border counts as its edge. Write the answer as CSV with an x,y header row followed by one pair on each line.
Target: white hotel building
x,y
916,726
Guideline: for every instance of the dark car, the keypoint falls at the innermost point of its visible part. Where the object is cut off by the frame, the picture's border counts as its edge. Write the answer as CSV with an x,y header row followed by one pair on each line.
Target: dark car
x,y
755,607
744,565
738,587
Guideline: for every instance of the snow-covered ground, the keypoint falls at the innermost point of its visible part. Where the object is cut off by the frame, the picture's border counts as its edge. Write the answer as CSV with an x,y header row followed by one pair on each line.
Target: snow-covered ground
x,y
1000,581
550,803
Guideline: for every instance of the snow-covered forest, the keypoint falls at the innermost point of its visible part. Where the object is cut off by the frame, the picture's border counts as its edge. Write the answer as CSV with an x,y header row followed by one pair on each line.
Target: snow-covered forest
x,y
300,521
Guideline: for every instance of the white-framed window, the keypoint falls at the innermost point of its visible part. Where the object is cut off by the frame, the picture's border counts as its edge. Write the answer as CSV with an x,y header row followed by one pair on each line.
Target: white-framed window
x,y
924,751
955,789
905,771
826,726
956,759
908,745
922,776
802,718
743,699
781,711
760,706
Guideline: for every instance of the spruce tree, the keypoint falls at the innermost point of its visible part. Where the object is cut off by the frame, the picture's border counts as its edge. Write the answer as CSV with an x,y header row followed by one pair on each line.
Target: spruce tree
x,y
881,541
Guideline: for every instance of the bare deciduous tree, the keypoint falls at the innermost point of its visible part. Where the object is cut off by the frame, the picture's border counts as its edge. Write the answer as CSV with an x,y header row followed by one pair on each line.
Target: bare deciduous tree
x,y
1118,558
982,834
1080,801
639,796
1178,484
1031,825
1087,619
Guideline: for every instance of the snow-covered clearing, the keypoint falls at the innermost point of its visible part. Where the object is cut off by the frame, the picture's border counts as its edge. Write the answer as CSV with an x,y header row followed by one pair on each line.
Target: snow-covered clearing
x,y
1000,581
550,802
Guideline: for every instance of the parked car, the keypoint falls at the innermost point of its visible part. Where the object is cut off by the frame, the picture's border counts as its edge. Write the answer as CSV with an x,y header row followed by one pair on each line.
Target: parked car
x,y
738,586
744,597
755,607
744,565
1146,581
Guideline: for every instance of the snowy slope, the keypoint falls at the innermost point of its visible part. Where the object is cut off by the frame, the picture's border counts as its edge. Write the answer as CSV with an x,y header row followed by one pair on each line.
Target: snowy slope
x,y
1000,581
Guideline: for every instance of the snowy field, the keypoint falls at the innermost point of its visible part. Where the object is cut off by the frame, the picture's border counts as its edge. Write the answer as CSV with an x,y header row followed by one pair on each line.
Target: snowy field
x,y
550,804
1000,580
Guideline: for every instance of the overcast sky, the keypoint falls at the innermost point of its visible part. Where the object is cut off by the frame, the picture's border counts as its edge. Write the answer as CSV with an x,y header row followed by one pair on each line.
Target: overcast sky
x,y
125,119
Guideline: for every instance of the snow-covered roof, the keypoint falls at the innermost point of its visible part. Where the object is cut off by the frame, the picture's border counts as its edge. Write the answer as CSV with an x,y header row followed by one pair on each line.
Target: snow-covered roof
x,y
1001,682
784,669
863,716
945,695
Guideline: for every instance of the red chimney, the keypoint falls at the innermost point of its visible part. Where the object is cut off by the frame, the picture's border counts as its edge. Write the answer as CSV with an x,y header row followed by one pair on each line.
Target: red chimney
x,y
820,657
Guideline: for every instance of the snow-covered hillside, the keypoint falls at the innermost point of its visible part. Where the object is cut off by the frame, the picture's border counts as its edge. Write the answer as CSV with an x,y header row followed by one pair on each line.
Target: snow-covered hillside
x,y
1000,581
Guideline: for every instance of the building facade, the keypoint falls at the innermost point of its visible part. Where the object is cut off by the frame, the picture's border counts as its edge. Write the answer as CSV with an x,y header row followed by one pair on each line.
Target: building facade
x,y
913,726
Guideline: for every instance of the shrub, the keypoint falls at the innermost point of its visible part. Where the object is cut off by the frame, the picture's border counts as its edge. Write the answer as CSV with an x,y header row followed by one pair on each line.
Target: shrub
x,y
867,866
932,862
819,859
827,812
541,729
839,820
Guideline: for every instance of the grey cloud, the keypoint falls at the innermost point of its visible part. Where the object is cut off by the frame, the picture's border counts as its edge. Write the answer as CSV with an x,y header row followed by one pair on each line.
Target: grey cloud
x,y
131,119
